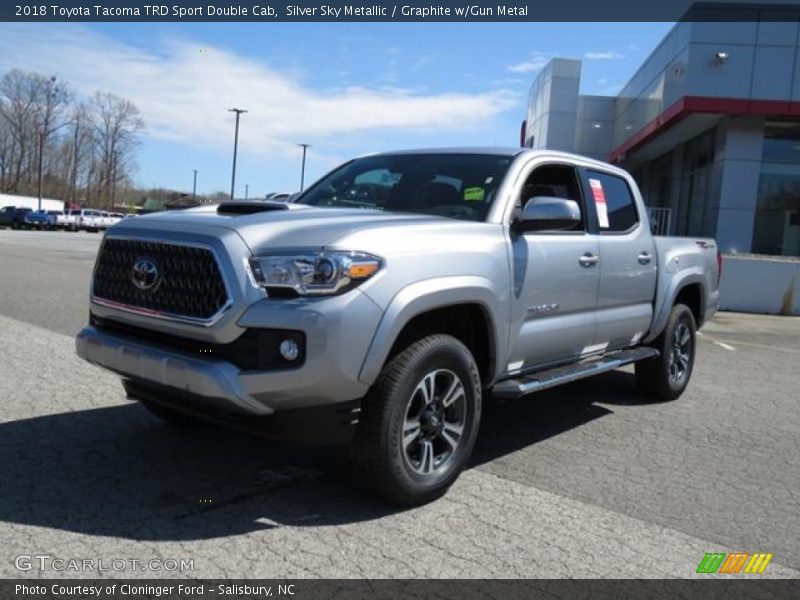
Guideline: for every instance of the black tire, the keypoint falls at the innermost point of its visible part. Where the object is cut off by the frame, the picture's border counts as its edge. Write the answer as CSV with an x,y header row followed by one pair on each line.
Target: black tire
x,y
666,377
171,416
423,469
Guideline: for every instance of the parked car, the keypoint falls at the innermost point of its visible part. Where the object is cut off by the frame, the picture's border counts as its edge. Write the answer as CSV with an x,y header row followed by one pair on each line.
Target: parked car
x,y
35,219
63,219
52,218
278,196
70,220
110,219
13,216
383,304
86,219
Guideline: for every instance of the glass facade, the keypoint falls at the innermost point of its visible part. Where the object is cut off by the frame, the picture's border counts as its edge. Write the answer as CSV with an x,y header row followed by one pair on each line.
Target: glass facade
x,y
696,204
777,219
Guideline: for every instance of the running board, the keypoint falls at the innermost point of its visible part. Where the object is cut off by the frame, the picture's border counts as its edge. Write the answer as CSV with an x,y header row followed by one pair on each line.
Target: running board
x,y
524,385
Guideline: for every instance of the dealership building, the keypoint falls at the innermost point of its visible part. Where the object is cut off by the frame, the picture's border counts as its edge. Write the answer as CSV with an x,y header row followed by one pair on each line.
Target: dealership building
x,y
709,126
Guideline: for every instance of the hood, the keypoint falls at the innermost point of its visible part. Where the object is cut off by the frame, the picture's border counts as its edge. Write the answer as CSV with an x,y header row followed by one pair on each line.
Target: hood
x,y
293,227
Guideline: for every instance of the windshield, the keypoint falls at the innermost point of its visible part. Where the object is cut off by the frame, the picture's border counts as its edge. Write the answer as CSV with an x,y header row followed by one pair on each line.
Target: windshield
x,y
461,186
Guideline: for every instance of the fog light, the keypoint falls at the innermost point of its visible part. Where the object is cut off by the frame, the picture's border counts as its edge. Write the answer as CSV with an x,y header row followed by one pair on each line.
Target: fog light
x,y
289,349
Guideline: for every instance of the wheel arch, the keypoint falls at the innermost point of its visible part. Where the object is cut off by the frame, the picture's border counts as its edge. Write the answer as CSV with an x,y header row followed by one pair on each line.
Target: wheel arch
x,y
458,306
688,287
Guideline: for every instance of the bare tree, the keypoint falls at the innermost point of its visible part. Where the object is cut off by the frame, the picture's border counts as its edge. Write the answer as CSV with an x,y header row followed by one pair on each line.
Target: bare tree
x,y
19,93
54,144
31,108
5,146
117,124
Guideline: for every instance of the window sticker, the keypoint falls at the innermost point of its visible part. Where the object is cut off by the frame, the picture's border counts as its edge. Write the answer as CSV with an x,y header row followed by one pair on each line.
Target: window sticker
x,y
474,194
600,202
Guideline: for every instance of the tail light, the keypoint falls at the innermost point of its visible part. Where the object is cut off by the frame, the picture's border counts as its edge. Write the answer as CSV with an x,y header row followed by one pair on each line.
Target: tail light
x,y
719,265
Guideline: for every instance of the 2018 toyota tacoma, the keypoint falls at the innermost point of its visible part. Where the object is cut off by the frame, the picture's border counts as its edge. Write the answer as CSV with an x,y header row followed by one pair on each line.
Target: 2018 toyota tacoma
x,y
384,303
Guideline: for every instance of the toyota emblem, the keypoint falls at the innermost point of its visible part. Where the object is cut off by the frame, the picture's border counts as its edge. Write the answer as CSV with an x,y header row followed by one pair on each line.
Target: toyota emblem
x,y
144,274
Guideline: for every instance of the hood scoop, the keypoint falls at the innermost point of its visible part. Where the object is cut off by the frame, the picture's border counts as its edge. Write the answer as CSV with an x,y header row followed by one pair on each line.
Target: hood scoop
x,y
250,208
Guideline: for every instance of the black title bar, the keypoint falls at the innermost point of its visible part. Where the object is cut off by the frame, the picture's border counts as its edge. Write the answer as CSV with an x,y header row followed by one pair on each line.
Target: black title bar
x,y
411,589
271,11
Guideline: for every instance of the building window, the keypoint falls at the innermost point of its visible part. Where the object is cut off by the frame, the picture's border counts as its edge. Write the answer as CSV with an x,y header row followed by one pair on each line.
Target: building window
x,y
777,222
781,142
695,203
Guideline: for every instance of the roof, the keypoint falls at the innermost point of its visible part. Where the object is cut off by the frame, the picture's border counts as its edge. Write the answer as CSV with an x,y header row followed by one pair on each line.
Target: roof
x,y
492,150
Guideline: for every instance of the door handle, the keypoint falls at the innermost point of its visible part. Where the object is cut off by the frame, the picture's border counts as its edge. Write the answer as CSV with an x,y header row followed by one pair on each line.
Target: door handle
x,y
588,259
644,258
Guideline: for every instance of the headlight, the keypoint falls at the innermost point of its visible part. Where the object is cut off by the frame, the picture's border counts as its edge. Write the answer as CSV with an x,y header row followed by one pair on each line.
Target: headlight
x,y
314,273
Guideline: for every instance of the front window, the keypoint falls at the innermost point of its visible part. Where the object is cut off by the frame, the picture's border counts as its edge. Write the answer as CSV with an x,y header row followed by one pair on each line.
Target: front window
x,y
459,186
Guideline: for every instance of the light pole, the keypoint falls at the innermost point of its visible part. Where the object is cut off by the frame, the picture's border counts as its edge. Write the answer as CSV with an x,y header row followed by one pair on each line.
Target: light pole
x,y
194,187
303,165
114,158
44,133
246,190
238,112
41,162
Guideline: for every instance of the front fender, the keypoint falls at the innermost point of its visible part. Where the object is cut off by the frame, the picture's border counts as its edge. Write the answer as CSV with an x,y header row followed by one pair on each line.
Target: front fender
x,y
421,297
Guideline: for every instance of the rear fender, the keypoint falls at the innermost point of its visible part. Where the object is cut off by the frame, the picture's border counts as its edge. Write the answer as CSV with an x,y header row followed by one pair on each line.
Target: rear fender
x,y
666,299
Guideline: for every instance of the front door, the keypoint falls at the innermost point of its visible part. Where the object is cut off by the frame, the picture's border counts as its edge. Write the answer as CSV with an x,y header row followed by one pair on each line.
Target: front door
x,y
556,278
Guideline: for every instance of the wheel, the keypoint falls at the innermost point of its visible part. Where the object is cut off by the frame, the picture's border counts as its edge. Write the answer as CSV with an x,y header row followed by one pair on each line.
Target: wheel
x,y
419,421
666,377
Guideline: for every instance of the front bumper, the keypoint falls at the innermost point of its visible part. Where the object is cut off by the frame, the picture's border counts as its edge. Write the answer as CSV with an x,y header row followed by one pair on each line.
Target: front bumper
x,y
337,331
214,380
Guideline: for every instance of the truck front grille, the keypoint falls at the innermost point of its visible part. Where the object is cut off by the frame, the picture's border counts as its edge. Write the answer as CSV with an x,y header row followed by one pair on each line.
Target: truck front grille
x,y
187,280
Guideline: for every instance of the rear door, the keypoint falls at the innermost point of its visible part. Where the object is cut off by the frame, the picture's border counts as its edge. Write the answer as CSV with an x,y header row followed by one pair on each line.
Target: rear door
x,y
627,266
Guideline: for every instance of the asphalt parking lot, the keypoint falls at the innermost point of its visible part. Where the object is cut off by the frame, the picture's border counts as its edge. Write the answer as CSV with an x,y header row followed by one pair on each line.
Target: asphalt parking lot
x,y
589,480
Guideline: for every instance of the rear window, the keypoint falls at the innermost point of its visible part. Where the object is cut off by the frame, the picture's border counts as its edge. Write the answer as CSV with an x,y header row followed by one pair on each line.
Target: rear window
x,y
613,200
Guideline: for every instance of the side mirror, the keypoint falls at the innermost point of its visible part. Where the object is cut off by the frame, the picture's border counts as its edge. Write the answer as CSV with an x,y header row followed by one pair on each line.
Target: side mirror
x,y
543,213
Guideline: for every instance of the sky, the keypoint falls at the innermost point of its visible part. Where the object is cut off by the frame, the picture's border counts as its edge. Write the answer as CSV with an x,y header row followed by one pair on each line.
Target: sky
x,y
345,88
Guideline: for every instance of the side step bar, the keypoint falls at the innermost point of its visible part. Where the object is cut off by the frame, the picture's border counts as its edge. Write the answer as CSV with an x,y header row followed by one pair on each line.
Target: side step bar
x,y
524,385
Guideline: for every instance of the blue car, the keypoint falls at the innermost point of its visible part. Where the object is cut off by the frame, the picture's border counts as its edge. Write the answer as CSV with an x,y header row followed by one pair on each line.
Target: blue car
x,y
13,216
36,219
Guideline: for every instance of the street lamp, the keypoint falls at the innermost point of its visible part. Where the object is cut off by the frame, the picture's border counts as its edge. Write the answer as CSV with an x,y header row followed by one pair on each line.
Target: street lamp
x,y
303,166
194,187
246,190
44,133
238,112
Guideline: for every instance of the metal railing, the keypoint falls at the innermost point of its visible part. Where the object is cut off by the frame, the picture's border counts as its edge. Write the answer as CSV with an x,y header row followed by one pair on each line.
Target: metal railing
x,y
659,220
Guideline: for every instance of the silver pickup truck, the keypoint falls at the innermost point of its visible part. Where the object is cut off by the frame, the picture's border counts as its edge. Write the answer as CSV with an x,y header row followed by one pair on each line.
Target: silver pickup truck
x,y
385,303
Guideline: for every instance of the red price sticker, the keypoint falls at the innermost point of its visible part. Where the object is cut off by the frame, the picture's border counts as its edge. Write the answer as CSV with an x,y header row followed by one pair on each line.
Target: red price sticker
x,y
600,202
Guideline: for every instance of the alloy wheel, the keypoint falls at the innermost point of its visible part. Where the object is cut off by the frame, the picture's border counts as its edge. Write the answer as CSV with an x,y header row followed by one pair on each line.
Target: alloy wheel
x,y
434,422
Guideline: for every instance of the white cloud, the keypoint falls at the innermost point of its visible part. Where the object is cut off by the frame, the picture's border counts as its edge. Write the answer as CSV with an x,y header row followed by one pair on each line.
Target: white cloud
x,y
184,89
608,55
532,65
